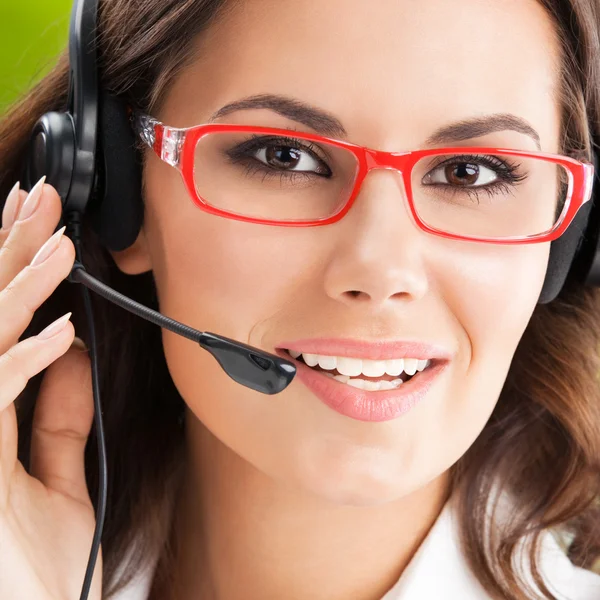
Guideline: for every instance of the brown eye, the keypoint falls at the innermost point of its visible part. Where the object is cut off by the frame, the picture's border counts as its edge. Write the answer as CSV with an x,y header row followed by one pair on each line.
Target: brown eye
x,y
461,174
288,158
282,156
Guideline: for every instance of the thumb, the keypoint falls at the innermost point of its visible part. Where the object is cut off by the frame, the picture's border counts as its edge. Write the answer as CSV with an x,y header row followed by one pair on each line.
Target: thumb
x,y
62,420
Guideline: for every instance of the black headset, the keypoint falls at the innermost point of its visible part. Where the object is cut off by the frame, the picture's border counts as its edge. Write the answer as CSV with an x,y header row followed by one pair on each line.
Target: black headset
x,y
89,154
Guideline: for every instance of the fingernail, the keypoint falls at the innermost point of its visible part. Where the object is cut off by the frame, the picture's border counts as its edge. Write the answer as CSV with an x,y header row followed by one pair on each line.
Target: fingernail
x,y
55,327
9,212
48,248
32,200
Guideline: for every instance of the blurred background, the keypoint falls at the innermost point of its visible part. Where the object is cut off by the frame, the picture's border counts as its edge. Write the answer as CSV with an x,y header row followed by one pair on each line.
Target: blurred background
x,y
32,34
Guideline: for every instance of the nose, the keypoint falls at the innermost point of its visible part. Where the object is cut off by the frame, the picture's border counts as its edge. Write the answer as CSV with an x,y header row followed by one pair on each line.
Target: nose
x,y
379,254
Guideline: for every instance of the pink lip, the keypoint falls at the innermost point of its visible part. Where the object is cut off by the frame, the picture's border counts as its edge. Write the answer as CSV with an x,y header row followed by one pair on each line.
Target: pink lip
x,y
361,404
379,350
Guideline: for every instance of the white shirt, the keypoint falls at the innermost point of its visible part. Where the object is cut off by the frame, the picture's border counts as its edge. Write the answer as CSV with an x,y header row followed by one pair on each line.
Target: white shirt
x,y
439,570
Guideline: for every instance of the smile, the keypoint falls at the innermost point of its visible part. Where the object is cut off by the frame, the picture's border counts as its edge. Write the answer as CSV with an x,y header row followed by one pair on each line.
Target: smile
x,y
362,373
400,385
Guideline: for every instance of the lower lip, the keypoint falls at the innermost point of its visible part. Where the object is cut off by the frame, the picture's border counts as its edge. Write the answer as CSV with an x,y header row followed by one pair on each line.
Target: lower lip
x,y
361,404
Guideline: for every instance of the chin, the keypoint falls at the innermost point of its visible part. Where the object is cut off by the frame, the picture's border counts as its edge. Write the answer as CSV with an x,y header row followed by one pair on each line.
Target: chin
x,y
364,495
348,485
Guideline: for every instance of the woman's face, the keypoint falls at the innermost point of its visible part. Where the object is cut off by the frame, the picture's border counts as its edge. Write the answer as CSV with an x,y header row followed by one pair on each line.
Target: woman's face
x,y
392,73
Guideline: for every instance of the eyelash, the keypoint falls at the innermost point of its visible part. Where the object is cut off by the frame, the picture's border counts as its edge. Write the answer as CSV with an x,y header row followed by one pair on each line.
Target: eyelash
x,y
258,142
506,172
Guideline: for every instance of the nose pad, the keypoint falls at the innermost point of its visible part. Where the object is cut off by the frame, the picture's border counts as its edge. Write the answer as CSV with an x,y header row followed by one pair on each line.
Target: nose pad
x,y
383,192
396,162
380,159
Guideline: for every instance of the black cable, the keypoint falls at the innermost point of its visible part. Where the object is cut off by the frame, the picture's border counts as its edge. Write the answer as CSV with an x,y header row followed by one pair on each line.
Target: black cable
x,y
74,232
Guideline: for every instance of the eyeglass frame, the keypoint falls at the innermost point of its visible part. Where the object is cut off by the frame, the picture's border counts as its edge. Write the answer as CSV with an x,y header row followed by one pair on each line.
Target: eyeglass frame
x,y
177,146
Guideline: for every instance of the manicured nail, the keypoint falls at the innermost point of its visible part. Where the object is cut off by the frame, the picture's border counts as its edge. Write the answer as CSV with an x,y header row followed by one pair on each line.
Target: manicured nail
x,y
54,328
48,248
9,212
32,200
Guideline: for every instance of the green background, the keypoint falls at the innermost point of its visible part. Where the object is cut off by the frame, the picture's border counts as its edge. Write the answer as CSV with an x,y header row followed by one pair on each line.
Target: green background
x,y
32,34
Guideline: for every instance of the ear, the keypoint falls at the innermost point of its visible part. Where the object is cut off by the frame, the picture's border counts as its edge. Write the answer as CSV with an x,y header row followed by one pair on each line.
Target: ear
x,y
136,259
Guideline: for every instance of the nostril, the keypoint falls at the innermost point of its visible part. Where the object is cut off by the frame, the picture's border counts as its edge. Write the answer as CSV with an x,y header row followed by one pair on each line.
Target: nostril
x,y
356,294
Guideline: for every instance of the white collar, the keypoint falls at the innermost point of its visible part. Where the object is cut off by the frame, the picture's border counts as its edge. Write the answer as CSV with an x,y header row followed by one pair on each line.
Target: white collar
x,y
438,569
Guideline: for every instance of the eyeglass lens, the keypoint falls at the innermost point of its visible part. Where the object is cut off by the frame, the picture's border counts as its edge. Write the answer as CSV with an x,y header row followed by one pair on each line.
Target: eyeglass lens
x,y
284,178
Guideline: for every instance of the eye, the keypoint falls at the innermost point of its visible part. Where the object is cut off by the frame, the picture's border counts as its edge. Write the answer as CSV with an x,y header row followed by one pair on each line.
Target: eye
x,y
288,158
463,174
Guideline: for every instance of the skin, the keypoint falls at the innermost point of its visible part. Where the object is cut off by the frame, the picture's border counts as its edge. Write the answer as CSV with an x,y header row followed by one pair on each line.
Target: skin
x,y
283,496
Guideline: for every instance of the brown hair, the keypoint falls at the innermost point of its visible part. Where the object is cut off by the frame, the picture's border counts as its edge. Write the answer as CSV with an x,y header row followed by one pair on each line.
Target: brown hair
x,y
542,442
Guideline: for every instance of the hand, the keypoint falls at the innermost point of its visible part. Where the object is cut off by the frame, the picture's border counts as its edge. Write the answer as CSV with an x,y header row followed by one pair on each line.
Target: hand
x,y
46,517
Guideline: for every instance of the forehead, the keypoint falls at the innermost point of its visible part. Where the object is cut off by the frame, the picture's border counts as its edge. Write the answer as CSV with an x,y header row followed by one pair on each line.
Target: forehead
x,y
390,71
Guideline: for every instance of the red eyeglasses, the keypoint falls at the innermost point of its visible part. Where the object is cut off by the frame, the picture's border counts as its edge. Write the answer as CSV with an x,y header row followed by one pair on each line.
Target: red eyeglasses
x,y
281,177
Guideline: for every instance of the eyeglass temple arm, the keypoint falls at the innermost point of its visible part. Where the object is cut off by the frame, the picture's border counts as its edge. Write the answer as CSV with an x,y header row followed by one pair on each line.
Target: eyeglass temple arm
x,y
150,130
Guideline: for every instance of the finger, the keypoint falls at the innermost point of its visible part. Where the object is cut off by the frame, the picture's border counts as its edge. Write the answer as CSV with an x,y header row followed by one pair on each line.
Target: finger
x,y
26,237
11,212
8,450
62,421
27,358
29,290
23,361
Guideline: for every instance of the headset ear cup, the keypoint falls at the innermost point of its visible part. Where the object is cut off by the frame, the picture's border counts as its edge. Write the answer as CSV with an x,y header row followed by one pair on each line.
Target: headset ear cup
x,y
51,152
116,208
562,263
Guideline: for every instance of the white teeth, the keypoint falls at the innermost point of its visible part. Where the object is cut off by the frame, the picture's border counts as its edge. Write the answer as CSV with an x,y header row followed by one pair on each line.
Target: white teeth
x,y
373,368
340,378
394,367
352,367
389,385
410,366
370,386
361,384
327,362
312,360
348,366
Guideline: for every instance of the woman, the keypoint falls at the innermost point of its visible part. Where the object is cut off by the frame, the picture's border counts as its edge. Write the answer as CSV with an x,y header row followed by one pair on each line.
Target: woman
x,y
217,491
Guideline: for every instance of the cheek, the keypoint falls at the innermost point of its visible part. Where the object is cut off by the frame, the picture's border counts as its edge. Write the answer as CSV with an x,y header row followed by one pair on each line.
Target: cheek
x,y
504,288
212,273
504,285
241,281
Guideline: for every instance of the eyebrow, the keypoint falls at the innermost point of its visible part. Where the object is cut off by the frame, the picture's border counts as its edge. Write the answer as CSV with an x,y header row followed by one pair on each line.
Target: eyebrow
x,y
315,118
328,125
479,126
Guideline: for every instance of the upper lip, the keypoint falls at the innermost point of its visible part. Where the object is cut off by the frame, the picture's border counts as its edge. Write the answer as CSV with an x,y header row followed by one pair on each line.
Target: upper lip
x,y
371,350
